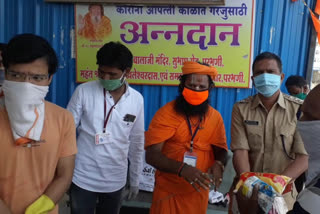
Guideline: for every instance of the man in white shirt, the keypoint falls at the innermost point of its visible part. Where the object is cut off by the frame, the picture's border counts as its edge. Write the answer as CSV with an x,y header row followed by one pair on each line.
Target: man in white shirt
x,y
109,116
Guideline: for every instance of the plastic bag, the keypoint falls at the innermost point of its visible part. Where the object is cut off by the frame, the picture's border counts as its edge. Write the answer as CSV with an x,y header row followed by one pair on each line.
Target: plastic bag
x,y
270,186
278,182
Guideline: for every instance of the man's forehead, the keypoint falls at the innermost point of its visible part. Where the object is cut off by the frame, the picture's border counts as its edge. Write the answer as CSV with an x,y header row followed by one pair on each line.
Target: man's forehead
x,y
265,63
198,78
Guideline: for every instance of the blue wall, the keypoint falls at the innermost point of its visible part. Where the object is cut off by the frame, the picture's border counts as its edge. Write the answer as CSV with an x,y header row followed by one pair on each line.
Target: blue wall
x,y
281,26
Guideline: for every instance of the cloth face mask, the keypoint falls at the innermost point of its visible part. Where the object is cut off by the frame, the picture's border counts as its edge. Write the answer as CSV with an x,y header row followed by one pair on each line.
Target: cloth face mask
x,y
195,97
267,84
24,103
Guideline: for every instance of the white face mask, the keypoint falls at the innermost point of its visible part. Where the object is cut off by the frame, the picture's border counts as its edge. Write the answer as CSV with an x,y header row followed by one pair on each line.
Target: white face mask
x,y
24,103
24,93
310,134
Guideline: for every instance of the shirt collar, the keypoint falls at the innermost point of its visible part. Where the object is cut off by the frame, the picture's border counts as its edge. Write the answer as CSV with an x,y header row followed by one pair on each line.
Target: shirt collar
x,y
256,101
126,93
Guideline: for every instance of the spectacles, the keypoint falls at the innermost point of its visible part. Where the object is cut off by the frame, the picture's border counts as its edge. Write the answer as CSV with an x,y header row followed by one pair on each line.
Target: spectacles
x,y
20,77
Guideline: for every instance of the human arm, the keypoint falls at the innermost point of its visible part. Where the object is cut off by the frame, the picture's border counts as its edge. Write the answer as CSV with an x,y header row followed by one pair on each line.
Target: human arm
x,y
62,179
63,175
216,170
239,142
135,154
297,167
66,162
156,158
4,209
75,105
300,163
240,161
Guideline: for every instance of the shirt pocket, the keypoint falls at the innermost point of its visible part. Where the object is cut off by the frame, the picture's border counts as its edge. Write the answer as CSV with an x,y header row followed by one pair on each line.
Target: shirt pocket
x,y
285,137
255,138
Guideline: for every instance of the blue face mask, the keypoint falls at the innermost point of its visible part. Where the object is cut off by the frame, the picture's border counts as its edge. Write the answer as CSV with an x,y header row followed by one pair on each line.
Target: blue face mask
x,y
267,84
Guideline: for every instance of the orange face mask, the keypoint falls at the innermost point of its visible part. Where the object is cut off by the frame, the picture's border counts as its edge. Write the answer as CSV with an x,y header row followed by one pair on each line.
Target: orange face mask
x,y
195,97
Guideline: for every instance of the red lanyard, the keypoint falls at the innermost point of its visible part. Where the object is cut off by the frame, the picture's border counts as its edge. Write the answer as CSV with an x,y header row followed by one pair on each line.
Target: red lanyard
x,y
105,111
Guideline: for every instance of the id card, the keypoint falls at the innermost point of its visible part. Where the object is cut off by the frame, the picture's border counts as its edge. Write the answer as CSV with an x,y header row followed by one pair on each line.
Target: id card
x,y
190,158
103,138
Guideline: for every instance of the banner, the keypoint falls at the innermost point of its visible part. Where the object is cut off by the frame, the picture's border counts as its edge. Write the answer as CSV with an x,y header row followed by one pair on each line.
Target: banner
x,y
161,38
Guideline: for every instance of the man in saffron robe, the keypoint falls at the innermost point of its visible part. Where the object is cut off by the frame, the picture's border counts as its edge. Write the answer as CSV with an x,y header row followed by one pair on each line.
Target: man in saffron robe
x,y
186,143
95,25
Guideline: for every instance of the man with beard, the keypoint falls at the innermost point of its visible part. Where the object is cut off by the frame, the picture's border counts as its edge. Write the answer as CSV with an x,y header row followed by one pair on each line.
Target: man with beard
x,y
94,25
186,143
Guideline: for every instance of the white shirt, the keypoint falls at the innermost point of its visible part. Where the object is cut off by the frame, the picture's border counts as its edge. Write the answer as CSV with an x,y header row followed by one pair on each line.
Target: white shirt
x,y
103,168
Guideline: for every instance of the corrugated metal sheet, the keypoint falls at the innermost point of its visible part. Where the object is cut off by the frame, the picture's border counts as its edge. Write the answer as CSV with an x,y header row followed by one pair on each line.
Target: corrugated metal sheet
x,y
281,26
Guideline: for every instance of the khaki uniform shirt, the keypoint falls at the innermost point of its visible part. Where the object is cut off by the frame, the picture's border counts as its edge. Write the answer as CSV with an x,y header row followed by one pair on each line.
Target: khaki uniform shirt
x,y
260,132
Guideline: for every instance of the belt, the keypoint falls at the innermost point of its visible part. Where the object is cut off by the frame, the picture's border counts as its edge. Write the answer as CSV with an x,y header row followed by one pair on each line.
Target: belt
x,y
288,188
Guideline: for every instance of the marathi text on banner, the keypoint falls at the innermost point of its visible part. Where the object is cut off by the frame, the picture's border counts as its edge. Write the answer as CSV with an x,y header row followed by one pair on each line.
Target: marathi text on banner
x,y
162,38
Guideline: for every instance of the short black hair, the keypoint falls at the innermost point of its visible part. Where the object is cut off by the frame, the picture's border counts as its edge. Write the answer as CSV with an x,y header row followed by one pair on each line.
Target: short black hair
x,y
116,55
26,48
268,55
296,80
3,46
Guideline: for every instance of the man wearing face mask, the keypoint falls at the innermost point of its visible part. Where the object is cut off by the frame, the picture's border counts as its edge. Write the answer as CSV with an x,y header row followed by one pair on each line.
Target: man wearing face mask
x,y
308,201
109,115
186,143
297,86
263,131
38,139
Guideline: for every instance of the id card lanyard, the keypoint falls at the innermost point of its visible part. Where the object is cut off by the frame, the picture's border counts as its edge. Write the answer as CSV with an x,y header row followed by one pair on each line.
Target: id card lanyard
x,y
193,134
107,116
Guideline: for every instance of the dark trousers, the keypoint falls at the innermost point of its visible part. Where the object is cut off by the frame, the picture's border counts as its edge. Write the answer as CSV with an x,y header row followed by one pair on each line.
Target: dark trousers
x,y
85,202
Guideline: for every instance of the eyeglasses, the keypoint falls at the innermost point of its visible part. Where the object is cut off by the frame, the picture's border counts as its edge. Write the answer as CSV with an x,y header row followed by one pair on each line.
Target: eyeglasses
x,y
20,77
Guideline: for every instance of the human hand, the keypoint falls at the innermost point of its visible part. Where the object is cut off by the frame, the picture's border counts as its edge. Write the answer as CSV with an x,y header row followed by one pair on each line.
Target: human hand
x,y
130,193
216,171
196,178
133,192
43,204
4,209
248,205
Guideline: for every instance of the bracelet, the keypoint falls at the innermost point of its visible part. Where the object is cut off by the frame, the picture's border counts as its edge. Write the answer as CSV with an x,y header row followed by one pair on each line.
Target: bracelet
x,y
220,164
180,169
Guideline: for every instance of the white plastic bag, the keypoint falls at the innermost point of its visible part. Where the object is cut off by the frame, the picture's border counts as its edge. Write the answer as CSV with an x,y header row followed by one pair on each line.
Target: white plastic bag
x,y
146,180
